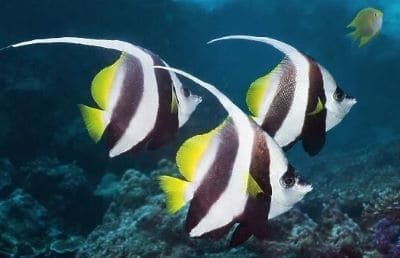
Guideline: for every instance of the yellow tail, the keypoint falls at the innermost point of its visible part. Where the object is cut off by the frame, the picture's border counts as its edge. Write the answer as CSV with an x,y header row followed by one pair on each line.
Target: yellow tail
x,y
174,189
94,120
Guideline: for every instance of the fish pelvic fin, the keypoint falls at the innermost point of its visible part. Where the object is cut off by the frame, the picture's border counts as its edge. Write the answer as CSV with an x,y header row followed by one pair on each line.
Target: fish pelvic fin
x,y
95,120
253,189
241,234
102,82
174,189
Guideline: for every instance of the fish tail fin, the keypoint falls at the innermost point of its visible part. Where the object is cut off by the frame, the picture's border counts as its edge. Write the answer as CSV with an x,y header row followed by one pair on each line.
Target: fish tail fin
x,y
174,189
95,121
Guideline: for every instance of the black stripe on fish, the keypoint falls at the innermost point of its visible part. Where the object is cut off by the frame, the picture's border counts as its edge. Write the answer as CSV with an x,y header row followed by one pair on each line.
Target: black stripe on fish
x,y
129,98
283,99
313,132
166,125
217,177
260,160
253,220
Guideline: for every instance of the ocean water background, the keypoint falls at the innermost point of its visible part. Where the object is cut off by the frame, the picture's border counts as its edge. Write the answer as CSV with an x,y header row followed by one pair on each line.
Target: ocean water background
x,y
41,85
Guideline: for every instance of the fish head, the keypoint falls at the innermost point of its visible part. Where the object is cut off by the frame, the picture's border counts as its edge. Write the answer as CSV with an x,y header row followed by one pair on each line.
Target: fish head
x,y
187,101
377,19
338,103
287,190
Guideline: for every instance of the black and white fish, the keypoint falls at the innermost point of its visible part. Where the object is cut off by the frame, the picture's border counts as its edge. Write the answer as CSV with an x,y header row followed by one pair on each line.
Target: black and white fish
x,y
234,174
297,100
138,106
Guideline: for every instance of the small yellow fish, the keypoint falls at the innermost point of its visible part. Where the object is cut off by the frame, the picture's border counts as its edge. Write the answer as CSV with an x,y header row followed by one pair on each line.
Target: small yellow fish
x,y
367,24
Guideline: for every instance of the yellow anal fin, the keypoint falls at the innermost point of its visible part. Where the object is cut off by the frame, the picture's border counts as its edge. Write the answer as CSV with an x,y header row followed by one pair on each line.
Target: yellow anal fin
x,y
256,92
191,151
364,40
174,189
102,82
252,187
318,108
94,121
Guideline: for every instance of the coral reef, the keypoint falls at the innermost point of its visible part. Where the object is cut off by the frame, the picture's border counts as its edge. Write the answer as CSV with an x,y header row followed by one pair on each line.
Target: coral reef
x,y
46,207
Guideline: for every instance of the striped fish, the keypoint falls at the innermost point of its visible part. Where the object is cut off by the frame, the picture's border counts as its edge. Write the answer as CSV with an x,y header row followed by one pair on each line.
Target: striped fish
x,y
233,175
297,100
139,107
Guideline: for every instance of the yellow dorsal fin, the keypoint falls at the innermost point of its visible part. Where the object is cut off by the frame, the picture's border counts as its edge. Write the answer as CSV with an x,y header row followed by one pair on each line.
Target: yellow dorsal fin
x,y
102,82
252,186
94,121
318,108
191,151
174,189
256,92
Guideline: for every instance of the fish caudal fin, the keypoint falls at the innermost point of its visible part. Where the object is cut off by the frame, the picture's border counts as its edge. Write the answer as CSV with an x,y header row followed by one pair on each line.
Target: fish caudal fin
x,y
102,82
174,189
95,121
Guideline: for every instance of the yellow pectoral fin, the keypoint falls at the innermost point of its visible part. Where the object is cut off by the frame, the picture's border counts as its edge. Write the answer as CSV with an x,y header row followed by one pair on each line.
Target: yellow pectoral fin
x,y
318,108
174,103
252,187
94,121
191,151
174,189
102,82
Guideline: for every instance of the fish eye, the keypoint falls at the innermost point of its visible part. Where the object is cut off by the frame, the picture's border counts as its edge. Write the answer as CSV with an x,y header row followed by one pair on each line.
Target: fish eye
x,y
339,94
289,178
186,92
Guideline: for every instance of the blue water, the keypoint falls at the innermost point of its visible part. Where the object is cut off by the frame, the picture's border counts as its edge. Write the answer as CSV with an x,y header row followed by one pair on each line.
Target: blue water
x,y
41,85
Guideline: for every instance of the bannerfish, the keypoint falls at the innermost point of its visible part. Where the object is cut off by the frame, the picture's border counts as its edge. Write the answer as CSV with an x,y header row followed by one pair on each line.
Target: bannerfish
x,y
233,175
366,24
139,107
297,100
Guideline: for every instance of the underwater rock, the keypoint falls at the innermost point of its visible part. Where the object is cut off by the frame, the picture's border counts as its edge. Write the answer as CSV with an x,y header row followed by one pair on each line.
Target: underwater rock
x,y
69,245
24,223
108,186
386,237
64,190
